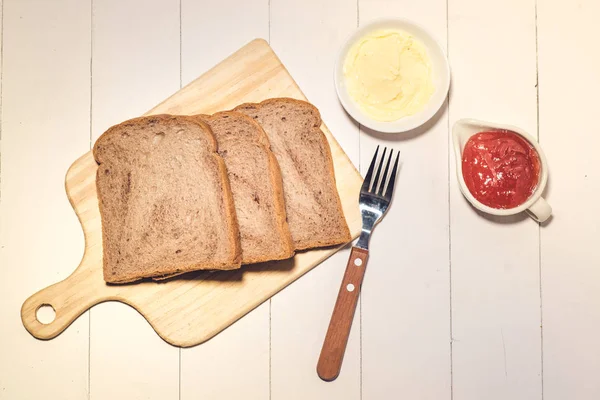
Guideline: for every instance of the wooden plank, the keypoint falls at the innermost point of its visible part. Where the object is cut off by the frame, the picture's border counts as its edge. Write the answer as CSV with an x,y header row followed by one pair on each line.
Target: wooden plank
x,y
135,65
211,31
569,61
405,298
45,123
232,365
495,261
241,351
306,35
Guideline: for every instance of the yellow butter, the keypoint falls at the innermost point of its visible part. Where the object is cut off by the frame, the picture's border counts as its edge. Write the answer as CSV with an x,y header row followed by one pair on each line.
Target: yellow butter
x,y
388,74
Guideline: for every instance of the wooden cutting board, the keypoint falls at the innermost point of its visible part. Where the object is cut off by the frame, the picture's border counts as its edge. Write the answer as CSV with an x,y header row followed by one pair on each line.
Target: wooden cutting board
x,y
194,308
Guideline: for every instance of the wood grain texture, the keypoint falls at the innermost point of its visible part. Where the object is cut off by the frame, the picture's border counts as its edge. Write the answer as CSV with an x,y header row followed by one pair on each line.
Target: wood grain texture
x,y
569,82
242,350
191,310
406,292
306,36
45,76
334,345
124,60
495,261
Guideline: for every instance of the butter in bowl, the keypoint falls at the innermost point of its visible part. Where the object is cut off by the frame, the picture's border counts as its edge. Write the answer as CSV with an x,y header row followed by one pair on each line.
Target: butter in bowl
x,y
391,75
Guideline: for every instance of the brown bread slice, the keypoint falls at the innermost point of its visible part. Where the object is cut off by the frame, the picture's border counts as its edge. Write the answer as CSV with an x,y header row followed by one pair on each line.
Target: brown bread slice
x,y
165,200
313,206
256,186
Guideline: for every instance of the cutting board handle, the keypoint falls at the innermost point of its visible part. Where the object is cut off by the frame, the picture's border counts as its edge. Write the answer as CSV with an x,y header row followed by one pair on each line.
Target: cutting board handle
x,y
69,299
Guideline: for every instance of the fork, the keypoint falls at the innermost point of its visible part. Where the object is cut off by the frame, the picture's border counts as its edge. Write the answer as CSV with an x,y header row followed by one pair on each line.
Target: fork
x,y
374,201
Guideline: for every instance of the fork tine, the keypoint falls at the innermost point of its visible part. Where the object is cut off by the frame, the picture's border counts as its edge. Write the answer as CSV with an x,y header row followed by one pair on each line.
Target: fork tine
x,y
385,173
374,186
390,188
367,181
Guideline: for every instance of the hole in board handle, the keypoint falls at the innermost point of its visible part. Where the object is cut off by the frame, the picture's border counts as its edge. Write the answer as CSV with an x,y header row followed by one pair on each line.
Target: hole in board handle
x,y
45,314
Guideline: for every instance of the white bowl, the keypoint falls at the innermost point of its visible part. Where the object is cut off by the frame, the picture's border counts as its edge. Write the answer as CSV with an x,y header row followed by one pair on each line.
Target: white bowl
x,y
535,206
440,71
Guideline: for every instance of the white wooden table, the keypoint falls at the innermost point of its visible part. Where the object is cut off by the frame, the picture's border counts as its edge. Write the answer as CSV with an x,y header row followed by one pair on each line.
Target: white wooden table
x,y
455,305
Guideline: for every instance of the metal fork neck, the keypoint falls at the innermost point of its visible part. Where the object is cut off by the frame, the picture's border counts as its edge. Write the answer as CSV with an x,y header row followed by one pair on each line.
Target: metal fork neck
x,y
363,240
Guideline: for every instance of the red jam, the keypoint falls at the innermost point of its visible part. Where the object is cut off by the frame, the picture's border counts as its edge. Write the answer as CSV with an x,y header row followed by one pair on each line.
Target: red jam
x,y
501,168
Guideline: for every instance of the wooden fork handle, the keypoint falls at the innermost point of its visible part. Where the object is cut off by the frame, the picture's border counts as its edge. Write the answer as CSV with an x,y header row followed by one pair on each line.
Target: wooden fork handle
x,y
334,346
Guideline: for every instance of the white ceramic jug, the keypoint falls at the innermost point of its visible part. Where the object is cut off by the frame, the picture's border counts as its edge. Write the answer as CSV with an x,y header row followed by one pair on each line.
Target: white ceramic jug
x,y
535,206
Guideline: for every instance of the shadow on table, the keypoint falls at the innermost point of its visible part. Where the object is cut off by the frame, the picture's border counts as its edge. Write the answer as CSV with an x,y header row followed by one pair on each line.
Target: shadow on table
x,y
236,274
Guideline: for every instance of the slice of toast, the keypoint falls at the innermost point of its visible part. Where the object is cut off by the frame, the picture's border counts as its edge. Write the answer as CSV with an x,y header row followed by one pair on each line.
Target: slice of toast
x,y
313,206
256,186
165,200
